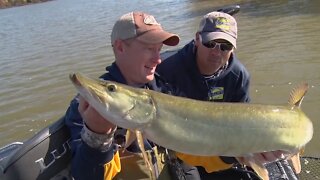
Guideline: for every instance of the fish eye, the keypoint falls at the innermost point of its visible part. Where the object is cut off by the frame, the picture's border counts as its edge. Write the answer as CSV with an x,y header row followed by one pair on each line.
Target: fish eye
x,y
112,88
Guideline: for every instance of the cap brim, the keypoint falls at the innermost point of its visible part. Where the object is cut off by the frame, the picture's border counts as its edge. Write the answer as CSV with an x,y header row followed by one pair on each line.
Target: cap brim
x,y
159,36
209,36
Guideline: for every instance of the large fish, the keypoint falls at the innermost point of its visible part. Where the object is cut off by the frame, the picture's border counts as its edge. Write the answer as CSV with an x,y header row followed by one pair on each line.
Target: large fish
x,y
198,127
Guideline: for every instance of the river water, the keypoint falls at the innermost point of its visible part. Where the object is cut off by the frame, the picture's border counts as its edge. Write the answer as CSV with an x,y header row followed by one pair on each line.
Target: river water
x,y
41,44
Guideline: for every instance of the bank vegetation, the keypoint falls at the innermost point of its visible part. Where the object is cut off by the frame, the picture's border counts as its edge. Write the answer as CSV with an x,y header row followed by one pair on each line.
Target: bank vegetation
x,y
13,3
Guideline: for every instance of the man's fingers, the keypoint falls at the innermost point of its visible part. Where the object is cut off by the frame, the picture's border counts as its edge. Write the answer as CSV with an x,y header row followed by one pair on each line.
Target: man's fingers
x,y
259,157
281,154
83,105
268,157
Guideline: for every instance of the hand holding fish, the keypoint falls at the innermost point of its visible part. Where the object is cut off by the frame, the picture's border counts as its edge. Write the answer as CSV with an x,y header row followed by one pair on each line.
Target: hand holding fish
x,y
264,158
257,161
94,121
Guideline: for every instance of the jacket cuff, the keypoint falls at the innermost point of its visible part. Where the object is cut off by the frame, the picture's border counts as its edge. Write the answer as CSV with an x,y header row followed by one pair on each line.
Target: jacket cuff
x,y
102,142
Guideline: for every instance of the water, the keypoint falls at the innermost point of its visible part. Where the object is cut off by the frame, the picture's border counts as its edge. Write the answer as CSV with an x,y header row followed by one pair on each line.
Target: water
x,y
41,44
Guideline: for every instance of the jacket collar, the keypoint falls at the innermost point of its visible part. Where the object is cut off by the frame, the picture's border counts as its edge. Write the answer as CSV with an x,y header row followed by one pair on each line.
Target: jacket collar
x,y
115,73
117,76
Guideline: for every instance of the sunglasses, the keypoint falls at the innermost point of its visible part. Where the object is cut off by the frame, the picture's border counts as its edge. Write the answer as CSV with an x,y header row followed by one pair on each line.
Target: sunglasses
x,y
223,46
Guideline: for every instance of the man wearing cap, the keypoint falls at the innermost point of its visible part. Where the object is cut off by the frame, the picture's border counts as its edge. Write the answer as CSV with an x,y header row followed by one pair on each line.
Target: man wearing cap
x,y
207,69
137,39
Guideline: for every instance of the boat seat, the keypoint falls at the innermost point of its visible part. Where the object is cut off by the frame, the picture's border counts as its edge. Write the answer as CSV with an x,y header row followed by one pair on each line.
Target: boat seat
x,y
41,157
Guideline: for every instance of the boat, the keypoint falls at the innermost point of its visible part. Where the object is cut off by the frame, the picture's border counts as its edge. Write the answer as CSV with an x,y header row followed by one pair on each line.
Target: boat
x,y
43,156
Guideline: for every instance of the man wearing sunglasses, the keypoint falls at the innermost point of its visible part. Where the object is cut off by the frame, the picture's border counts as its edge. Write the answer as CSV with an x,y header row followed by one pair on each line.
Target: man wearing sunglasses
x,y
207,69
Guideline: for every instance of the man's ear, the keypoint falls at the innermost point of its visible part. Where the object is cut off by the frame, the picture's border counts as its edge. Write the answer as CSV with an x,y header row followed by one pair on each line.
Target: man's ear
x,y
118,45
197,39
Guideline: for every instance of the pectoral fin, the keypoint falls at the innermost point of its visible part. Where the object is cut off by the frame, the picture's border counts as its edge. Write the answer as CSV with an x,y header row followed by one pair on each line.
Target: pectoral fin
x,y
130,137
295,160
144,154
259,168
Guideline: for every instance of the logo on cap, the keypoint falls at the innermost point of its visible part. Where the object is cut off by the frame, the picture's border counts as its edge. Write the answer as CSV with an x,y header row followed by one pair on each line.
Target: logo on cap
x,y
223,23
150,20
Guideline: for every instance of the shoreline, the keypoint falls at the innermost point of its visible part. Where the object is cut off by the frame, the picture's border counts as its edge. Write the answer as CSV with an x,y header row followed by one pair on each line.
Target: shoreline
x,y
16,3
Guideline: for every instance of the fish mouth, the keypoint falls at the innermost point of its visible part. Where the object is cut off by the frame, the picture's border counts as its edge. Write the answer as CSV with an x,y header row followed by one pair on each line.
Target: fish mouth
x,y
73,77
87,88
81,81
90,89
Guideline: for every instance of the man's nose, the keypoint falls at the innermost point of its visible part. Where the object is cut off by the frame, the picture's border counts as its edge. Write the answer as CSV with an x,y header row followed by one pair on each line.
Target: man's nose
x,y
156,58
215,50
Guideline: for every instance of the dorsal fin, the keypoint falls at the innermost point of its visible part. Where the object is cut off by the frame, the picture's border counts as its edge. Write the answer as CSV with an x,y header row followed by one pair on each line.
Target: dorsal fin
x,y
297,94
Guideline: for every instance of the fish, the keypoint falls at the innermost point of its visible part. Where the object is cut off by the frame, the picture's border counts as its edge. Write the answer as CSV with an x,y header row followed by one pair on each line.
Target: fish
x,y
199,127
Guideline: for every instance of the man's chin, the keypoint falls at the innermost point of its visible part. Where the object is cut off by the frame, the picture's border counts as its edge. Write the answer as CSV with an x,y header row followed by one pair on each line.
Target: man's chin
x,y
149,77
215,64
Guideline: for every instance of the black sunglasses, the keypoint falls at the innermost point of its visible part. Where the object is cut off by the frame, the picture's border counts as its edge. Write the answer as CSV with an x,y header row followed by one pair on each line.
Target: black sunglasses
x,y
223,46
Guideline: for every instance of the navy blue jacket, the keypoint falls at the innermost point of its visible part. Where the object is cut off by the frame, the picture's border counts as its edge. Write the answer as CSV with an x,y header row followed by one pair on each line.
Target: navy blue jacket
x,y
180,69
87,162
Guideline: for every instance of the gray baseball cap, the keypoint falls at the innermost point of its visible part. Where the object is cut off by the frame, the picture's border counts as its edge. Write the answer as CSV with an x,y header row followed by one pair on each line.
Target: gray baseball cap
x,y
143,27
218,25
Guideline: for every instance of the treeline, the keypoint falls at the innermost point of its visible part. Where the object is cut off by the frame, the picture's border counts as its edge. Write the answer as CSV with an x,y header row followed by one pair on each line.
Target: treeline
x,y
12,3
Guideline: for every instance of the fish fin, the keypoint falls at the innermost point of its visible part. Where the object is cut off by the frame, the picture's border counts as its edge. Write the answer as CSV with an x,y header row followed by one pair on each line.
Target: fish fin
x,y
297,94
130,137
301,151
144,154
295,99
259,168
295,160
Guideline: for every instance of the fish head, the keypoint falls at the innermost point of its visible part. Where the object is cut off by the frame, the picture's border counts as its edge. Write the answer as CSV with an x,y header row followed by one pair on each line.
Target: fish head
x,y
122,105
